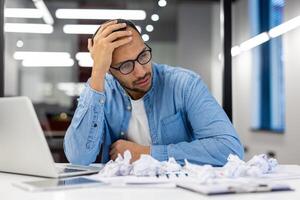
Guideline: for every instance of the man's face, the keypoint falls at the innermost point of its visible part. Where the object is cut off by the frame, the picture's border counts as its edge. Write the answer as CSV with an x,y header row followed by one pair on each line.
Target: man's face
x,y
139,81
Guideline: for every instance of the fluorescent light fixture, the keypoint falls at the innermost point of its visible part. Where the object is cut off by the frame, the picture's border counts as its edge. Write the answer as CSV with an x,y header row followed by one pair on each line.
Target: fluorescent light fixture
x,y
69,62
83,28
285,27
236,50
255,41
162,3
145,37
40,5
80,29
28,28
42,55
44,59
149,28
86,63
84,59
264,37
100,14
22,13
155,17
83,56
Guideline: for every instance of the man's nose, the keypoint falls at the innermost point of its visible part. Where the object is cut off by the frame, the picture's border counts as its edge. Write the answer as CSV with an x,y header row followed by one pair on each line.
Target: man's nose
x,y
139,70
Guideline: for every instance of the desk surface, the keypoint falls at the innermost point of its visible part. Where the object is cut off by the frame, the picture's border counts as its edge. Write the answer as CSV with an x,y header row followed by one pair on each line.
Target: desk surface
x,y
10,192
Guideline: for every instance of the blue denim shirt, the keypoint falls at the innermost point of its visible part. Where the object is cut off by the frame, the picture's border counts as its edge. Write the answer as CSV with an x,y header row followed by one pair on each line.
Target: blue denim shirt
x,y
185,121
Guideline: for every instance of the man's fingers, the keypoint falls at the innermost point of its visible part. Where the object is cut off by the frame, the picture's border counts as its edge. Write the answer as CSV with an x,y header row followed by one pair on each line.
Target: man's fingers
x,y
113,146
115,35
114,156
108,30
121,42
102,27
112,151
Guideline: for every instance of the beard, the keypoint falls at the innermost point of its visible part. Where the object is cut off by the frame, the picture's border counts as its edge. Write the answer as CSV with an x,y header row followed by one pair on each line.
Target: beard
x,y
135,89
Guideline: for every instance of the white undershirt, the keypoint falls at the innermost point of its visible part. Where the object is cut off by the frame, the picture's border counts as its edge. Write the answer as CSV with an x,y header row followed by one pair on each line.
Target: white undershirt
x,y
138,128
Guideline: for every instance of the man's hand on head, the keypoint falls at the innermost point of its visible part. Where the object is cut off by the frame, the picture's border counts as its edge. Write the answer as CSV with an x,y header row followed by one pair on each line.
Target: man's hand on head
x,y
120,146
101,47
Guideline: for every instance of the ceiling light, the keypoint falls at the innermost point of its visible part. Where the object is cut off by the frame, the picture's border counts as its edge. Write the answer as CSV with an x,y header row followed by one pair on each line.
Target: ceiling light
x,y
20,43
86,63
43,55
155,17
149,28
83,55
84,59
100,14
83,28
162,3
28,28
40,5
285,27
80,29
48,63
145,37
255,41
22,13
236,50
264,37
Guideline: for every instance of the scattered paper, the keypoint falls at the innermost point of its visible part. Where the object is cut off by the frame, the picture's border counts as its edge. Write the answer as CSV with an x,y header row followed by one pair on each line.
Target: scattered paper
x,y
147,166
256,167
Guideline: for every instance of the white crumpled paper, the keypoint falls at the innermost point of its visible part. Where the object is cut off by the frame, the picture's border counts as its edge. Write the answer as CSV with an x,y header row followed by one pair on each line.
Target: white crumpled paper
x,y
148,166
201,172
120,167
145,166
256,167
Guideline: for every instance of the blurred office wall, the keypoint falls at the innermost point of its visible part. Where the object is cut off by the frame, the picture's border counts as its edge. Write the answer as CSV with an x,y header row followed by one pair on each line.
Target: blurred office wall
x,y
285,146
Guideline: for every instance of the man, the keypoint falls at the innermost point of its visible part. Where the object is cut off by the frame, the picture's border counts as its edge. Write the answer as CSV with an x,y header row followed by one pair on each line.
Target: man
x,y
148,108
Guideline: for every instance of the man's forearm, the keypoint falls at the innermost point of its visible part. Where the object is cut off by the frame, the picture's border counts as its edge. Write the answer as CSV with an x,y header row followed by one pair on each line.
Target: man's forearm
x,y
97,80
82,139
212,150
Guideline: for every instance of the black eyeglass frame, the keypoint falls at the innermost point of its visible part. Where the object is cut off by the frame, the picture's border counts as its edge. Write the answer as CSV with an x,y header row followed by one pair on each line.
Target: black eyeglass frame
x,y
133,61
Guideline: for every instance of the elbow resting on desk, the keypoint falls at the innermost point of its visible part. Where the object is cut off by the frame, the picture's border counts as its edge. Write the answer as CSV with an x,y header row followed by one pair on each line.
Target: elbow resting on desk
x,y
77,155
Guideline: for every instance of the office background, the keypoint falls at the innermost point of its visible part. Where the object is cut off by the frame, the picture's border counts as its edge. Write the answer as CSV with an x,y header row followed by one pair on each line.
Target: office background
x,y
187,34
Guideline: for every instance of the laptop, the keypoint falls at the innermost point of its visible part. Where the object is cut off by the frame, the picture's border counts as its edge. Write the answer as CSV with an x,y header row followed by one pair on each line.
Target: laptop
x,y
23,146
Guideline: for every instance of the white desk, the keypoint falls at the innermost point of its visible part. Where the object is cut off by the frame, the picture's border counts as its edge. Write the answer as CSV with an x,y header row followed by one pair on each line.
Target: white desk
x,y
9,192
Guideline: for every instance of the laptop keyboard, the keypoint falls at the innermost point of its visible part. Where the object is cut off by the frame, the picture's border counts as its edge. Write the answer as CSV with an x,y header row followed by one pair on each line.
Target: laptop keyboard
x,y
68,170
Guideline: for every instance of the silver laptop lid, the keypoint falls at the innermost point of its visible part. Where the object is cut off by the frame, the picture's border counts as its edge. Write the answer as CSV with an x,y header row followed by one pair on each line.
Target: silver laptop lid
x,y
23,147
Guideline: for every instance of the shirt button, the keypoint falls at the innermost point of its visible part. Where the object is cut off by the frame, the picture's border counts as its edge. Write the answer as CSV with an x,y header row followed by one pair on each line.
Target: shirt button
x,y
128,107
122,133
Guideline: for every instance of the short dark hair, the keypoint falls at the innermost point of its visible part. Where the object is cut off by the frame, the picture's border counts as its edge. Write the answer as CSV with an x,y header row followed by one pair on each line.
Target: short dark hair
x,y
127,22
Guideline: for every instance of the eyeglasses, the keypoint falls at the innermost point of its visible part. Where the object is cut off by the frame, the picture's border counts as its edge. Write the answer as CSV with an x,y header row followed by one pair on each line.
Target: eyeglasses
x,y
143,58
